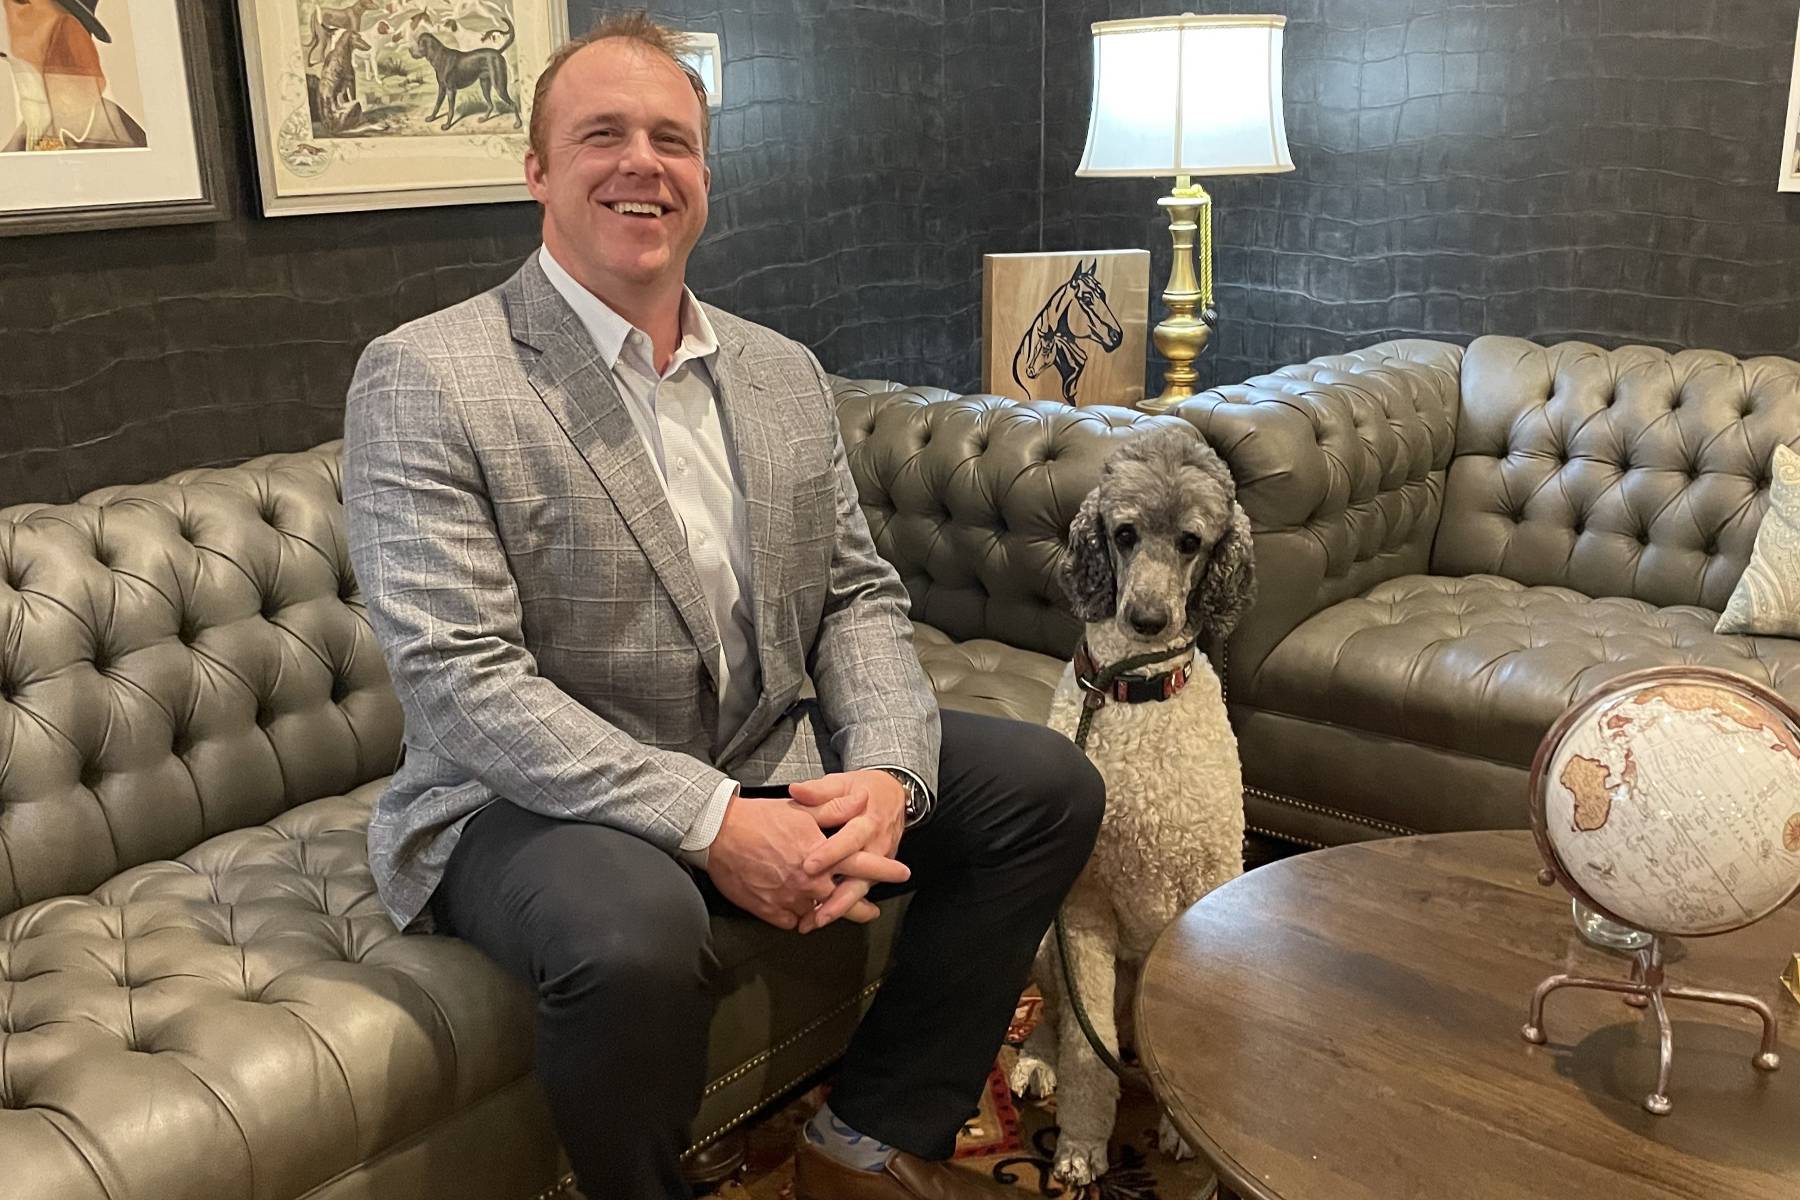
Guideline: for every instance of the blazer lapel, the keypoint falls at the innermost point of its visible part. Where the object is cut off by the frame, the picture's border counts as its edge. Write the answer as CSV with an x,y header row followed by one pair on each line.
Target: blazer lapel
x,y
577,388
763,460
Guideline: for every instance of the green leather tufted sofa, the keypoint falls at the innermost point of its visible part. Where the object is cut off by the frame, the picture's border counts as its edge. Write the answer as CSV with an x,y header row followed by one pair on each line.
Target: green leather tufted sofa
x,y
1452,545
200,997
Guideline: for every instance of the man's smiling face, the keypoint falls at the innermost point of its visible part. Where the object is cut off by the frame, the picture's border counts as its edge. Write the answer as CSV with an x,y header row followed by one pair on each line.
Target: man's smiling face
x,y
622,175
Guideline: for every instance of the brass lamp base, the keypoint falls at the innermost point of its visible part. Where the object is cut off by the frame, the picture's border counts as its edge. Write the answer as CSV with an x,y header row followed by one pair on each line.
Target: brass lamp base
x,y
1183,335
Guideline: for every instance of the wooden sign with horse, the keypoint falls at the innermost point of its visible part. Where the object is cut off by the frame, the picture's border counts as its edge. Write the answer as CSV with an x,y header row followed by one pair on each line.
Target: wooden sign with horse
x,y
1067,327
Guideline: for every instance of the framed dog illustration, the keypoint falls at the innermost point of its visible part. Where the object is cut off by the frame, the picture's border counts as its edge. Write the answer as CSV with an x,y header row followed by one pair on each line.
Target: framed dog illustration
x,y
364,104
1067,327
106,115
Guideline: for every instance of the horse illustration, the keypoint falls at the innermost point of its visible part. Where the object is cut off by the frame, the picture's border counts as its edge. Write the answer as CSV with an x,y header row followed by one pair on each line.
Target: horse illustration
x,y
1076,312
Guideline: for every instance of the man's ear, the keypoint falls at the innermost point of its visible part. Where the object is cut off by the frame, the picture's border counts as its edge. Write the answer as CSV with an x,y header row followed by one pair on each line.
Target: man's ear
x,y
534,176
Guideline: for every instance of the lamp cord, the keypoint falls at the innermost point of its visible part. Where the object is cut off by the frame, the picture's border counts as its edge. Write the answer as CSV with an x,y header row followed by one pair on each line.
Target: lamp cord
x,y
1206,255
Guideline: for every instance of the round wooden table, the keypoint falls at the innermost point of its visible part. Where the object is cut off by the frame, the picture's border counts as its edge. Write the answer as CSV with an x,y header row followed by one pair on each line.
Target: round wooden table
x,y
1344,1025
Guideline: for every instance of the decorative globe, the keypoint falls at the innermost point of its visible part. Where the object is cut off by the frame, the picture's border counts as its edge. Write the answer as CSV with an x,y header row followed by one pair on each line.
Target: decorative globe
x,y
1669,800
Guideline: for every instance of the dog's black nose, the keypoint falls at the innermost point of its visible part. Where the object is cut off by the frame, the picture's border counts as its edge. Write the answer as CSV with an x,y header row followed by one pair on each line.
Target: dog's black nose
x,y
1146,620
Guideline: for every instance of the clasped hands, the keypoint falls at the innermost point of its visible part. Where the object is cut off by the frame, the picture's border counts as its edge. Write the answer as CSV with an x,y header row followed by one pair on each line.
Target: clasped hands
x,y
773,857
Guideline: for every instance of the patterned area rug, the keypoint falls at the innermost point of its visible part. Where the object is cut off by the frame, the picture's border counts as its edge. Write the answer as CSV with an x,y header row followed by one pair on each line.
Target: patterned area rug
x,y
1009,1140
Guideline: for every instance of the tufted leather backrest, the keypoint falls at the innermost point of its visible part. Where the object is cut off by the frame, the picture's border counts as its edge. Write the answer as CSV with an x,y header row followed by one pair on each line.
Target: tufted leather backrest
x,y
1340,464
970,497
1629,472
179,659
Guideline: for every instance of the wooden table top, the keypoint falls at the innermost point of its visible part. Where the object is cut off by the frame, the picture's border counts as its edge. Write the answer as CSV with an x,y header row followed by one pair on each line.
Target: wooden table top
x,y
1344,1025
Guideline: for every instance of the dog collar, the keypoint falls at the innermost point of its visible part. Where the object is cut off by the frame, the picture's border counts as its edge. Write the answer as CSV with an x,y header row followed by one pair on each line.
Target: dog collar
x,y
1128,689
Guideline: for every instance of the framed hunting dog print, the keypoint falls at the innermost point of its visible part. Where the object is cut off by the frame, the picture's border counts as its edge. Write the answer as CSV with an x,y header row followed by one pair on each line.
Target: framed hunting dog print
x,y
106,115
362,104
1065,326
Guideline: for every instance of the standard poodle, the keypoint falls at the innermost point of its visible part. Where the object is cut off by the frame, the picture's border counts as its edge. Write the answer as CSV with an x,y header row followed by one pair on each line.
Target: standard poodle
x,y
1160,559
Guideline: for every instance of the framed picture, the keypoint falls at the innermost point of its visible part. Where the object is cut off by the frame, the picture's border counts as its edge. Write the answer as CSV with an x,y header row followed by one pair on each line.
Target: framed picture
x,y
703,55
106,116
1790,142
1066,327
368,104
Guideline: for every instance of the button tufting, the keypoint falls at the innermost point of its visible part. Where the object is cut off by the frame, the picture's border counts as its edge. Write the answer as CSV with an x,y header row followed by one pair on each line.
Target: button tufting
x,y
91,774
188,634
340,688
180,744
265,716
346,586
271,608
1712,547
1643,537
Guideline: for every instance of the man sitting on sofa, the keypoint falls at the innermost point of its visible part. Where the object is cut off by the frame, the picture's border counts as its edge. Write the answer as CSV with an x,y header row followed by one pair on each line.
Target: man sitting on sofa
x,y
605,533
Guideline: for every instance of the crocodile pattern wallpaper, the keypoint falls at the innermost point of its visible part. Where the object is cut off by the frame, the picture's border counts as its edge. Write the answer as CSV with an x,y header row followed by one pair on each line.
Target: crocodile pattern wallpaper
x,y
837,218
1597,169
1549,168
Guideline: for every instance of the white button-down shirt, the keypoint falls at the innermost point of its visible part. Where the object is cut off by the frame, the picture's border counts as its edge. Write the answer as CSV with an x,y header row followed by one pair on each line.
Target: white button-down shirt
x,y
676,412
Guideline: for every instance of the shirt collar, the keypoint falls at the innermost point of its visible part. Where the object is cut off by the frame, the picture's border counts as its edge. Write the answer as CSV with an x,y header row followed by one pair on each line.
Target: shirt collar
x,y
615,337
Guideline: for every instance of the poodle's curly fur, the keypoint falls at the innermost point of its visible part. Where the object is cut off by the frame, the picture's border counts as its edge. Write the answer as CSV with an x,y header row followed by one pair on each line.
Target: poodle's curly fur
x,y
1160,537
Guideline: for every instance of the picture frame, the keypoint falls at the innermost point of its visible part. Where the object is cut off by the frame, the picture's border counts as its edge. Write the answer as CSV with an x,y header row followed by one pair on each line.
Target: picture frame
x,y
358,105
146,152
1068,326
705,56
1789,178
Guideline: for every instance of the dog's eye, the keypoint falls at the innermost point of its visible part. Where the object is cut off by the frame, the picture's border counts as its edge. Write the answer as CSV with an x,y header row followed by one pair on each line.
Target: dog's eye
x,y
1188,543
1125,537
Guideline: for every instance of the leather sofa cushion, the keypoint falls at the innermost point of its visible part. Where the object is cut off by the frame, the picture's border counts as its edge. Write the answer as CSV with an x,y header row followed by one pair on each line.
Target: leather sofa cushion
x,y
970,498
988,677
1628,472
181,659
245,1021
1483,665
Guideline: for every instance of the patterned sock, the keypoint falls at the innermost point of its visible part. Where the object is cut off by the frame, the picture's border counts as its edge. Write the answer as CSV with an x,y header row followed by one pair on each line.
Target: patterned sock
x,y
853,1149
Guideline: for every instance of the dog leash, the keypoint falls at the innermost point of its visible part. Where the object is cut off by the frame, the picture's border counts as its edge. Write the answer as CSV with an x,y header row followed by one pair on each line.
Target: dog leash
x,y
1099,691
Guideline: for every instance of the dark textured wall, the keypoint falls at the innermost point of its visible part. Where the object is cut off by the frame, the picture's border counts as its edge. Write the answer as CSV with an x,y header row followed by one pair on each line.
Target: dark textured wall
x,y
835,218
1550,168
1600,169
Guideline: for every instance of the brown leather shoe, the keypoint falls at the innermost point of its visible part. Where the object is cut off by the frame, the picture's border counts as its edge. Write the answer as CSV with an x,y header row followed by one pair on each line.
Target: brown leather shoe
x,y
818,1176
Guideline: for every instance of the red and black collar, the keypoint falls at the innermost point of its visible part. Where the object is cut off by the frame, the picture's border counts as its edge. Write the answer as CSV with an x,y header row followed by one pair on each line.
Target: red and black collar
x,y
1127,689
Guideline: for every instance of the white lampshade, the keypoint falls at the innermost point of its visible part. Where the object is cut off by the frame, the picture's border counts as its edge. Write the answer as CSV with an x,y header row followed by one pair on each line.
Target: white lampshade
x,y
1187,95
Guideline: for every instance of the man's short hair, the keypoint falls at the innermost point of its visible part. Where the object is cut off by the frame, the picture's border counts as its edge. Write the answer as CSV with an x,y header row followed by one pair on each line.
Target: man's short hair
x,y
633,27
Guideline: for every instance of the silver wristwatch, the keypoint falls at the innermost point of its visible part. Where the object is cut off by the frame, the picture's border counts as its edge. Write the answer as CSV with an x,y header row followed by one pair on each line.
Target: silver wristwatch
x,y
918,800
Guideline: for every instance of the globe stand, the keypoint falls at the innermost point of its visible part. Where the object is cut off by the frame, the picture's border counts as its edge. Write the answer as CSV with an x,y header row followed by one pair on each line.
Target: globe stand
x,y
1648,987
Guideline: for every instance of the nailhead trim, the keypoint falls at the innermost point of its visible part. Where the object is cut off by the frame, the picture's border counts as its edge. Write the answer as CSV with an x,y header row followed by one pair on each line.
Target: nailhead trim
x,y
1286,837
755,1108
772,1051
561,1187
1321,810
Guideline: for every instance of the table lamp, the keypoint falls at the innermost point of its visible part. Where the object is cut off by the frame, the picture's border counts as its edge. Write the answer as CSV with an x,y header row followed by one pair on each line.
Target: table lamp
x,y
1183,96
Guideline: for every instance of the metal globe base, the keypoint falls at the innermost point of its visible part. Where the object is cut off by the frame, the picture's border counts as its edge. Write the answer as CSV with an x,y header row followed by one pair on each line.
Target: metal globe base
x,y
1647,986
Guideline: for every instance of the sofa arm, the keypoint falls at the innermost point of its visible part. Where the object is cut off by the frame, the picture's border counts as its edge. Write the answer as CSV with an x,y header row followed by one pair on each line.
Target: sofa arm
x,y
1340,466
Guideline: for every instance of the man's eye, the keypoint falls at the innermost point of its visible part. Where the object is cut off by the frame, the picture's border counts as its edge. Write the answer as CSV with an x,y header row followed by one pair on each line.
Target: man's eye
x,y
1125,537
1188,543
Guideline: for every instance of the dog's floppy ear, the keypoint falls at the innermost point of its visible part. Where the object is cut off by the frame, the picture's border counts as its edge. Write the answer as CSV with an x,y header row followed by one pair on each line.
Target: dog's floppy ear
x,y
1087,571
1227,584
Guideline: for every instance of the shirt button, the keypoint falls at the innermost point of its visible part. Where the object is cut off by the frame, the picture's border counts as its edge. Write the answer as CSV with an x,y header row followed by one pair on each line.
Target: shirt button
x,y
681,464
700,536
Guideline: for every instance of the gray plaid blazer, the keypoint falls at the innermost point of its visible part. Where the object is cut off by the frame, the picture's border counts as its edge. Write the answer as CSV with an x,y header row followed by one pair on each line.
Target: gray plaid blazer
x,y
541,619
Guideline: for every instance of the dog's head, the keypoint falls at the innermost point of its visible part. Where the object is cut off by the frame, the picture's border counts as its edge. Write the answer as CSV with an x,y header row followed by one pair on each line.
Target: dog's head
x,y
1160,545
